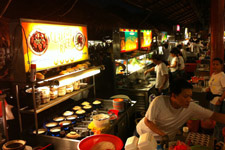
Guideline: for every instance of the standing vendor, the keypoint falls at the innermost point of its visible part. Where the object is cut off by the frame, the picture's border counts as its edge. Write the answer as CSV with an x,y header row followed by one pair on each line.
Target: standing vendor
x,y
162,76
167,114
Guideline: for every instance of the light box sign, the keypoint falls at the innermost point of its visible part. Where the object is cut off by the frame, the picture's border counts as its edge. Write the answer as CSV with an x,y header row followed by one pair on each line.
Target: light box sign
x,y
52,45
146,39
164,36
128,40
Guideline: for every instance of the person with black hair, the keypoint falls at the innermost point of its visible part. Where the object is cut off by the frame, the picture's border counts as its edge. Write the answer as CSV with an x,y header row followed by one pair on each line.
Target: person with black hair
x,y
167,114
173,64
162,76
216,93
166,53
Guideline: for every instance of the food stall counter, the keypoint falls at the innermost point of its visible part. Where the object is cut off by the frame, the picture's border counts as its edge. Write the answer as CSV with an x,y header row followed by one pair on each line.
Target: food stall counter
x,y
67,143
139,90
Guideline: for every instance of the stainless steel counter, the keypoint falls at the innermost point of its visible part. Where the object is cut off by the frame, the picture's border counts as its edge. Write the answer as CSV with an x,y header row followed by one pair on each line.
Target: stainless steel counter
x,y
138,90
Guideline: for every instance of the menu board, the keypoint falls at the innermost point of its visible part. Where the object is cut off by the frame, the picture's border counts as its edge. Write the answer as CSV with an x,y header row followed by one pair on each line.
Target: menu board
x,y
146,39
128,40
49,45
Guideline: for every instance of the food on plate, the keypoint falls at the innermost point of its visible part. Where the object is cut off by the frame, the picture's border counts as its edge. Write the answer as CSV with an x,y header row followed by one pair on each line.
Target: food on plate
x,y
63,72
79,41
40,76
70,70
104,145
73,135
38,42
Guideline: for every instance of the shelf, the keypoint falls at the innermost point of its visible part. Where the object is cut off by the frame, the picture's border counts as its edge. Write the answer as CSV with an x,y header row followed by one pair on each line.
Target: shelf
x,y
55,101
75,73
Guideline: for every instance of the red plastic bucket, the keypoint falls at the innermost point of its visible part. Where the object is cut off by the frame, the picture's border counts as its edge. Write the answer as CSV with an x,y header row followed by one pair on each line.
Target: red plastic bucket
x,y
93,142
118,104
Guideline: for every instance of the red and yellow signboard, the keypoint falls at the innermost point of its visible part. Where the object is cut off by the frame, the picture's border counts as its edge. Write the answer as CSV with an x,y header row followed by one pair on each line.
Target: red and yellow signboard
x,y
128,40
51,45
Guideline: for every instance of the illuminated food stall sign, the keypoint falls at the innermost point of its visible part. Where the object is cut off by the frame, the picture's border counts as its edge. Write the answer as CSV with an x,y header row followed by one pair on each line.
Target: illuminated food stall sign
x,y
178,28
164,36
128,40
186,33
146,39
49,45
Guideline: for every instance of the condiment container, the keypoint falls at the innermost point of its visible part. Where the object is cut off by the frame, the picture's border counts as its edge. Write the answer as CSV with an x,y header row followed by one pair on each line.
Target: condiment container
x,y
45,94
76,85
118,104
132,143
69,88
29,97
62,90
53,92
101,120
147,142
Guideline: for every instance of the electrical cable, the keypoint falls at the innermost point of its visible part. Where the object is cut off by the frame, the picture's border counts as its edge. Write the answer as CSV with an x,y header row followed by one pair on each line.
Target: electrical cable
x,y
71,8
4,10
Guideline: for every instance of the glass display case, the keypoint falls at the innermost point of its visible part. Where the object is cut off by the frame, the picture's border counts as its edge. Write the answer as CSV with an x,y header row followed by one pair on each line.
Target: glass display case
x,y
130,71
131,65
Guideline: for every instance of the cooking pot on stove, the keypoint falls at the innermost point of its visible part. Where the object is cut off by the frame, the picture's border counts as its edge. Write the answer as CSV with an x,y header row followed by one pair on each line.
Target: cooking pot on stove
x,y
55,131
97,104
81,114
87,108
59,119
40,131
101,120
72,118
51,125
14,145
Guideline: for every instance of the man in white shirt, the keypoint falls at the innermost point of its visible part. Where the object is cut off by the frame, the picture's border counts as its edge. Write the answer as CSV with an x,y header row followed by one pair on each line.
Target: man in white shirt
x,y
167,114
162,76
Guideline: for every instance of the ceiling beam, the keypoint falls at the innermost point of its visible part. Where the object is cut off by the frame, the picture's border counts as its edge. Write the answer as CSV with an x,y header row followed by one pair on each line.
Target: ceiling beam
x,y
197,12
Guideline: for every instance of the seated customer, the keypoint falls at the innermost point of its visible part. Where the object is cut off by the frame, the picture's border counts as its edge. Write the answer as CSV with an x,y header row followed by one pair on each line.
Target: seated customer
x,y
167,114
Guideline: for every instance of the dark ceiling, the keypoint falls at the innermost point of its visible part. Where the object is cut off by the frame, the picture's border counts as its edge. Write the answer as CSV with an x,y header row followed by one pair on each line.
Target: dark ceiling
x,y
101,16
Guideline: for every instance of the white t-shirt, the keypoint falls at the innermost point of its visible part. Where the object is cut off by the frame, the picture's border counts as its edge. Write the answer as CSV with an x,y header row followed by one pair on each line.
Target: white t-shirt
x,y
217,83
161,70
184,53
169,119
181,63
174,59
